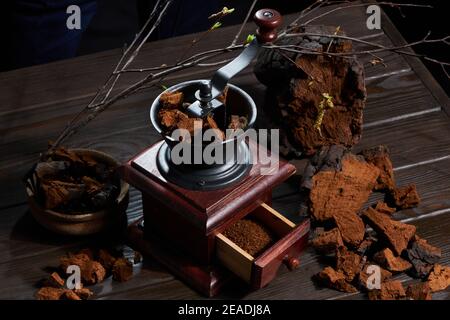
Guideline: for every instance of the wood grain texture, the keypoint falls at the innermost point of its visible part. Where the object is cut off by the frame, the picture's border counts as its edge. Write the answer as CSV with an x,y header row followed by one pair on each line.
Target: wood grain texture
x,y
406,109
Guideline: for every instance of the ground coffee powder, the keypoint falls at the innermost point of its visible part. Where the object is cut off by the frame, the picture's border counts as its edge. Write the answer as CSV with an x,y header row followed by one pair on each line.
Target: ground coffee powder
x,y
250,235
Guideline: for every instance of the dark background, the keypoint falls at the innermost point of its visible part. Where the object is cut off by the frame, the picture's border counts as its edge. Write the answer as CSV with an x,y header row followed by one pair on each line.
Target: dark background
x,y
35,32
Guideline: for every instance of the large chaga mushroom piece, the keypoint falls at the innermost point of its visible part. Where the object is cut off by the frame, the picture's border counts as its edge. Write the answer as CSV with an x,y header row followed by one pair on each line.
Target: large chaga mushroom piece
x,y
300,89
339,183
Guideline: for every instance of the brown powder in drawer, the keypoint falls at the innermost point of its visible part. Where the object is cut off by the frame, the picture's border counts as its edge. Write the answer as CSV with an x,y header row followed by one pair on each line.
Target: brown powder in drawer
x,y
250,235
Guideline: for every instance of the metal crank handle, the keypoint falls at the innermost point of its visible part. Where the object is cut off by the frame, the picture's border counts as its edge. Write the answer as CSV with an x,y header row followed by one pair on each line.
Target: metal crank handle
x,y
267,21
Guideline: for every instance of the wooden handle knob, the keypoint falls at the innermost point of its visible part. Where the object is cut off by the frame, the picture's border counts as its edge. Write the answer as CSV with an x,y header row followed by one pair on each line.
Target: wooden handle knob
x,y
291,263
267,21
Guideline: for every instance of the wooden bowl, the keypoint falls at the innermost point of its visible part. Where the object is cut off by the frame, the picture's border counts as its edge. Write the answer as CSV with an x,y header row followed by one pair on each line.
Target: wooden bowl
x,y
86,223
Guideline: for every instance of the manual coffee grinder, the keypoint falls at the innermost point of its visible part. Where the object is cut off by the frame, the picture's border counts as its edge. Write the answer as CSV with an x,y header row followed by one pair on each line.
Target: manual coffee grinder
x,y
187,207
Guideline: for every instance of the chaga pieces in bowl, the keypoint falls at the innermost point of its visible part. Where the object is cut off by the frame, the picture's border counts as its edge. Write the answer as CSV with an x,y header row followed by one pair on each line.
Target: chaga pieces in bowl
x,y
77,192
173,115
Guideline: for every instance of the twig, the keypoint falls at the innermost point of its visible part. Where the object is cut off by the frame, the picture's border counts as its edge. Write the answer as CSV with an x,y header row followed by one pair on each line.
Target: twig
x,y
238,34
63,135
155,74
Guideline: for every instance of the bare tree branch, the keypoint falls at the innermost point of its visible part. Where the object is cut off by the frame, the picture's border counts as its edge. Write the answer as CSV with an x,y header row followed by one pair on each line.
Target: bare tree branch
x,y
102,100
238,34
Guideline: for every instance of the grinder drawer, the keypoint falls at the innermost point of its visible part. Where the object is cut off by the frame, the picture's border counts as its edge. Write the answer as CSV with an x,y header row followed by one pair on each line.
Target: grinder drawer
x,y
258,271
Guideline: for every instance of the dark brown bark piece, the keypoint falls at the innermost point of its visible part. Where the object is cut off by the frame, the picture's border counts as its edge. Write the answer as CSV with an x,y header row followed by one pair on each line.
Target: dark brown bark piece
x,y
379,156
419,291
388,260
390,290
307,80
91,271
106,259
122,270
49,293
396,233
171,100
328,241
351,226
70,295
335,280
439,278
170,119
364,275
55,281
367,246
406,197
343,192
347,262
57,193
80,259
382,207
422,256
84,293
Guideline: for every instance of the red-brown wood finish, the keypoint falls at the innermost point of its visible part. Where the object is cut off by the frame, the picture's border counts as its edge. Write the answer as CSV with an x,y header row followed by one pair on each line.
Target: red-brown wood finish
x,y
181,225
207,280
266,266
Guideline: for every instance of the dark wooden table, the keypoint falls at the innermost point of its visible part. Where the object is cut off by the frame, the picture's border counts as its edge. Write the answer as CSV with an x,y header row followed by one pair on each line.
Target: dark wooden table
x,y
406,109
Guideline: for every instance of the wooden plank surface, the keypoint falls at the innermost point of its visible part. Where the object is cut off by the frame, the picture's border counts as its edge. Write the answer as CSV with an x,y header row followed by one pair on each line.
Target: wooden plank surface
x,y
405,110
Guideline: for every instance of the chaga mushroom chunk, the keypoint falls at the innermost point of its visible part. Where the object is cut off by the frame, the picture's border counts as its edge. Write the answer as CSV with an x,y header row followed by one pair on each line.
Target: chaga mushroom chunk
x,y
328,241
367,246
439,278
396,233
419,291
122,270
307,80
384,208
406,197
388,260
84,293
171,100
106,259
91,271
365,275
348,263
422,256
351,227
50,293
379,157
344,191
390,290
335,280
54,281
171,118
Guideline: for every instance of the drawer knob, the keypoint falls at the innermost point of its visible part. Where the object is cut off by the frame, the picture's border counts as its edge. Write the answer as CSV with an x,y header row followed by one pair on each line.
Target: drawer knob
x,y
291,262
